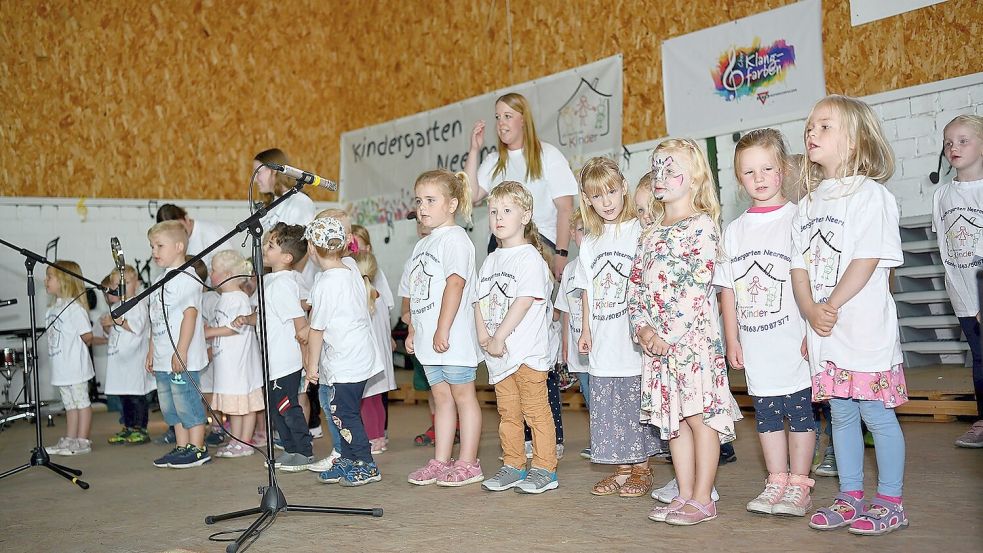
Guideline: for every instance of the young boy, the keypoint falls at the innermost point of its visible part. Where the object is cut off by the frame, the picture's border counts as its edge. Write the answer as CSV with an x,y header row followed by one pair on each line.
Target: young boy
x,y
286,329
177,348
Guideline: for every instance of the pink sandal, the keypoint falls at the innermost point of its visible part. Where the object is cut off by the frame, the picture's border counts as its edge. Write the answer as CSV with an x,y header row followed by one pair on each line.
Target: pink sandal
x,y
832,517
703,513
882,517
461,473
660,513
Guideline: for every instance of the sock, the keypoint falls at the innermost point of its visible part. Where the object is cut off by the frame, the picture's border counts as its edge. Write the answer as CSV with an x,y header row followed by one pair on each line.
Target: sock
x,y
893,499
856,494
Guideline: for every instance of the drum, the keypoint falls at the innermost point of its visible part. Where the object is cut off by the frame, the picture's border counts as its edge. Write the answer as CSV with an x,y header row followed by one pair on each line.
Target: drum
x,y
11,358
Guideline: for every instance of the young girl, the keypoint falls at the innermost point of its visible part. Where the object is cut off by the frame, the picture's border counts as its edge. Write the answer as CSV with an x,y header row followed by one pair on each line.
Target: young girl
x,y
954,206
643,196
238,378
845,240
298,209
441,283
569,300
341,349
684,378
513,315
69,335
763,330
617,436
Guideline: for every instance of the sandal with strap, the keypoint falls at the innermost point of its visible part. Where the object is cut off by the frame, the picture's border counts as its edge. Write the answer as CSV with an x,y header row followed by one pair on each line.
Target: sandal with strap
x,y
660,513
882,517
639,482
427,438
834,516
702,513
609,485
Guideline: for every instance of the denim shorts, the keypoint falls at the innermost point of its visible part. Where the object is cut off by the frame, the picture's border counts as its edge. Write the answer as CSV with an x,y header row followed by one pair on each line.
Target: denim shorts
x,y
450,374
770,412
180,402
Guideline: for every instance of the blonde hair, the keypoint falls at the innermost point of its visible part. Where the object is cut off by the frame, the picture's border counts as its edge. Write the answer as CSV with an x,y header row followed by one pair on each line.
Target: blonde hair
x,y
369,267
128,271
768,139
454,185
70,287
703,196
532,149
172,229
601,175
646,180
974,122
520,195
576,219
231,262
869,154
359,231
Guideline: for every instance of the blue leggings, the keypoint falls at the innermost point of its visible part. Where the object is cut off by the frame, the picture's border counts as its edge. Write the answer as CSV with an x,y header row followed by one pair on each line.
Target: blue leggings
x,y
889,446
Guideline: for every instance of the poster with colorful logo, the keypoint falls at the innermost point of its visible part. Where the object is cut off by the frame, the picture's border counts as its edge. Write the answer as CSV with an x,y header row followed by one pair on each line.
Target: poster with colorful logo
x,y
752,72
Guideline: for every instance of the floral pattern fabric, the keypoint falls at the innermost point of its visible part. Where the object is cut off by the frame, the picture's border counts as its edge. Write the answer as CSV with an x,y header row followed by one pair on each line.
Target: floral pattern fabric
x,y
888,386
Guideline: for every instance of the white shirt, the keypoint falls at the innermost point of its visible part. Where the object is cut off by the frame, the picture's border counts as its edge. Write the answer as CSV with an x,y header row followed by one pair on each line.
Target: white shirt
x,y
603,267
557,181
339,307
282,307
446,251
298,209
180,293
209,300
70,360
957,220
235,359
385,380
126,354
507,274
828,233
758,250
203,234
570,300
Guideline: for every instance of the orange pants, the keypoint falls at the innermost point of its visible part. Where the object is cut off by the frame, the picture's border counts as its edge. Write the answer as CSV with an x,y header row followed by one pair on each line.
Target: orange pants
x,y
522,395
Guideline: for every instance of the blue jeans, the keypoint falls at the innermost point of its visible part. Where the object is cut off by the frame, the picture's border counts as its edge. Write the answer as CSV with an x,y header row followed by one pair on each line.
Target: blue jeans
x,y
971,328
180,403
346,408
325,394
889,445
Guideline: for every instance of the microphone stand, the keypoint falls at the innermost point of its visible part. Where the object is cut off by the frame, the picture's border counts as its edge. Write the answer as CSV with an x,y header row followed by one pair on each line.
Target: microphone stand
x,y
40,457
273,500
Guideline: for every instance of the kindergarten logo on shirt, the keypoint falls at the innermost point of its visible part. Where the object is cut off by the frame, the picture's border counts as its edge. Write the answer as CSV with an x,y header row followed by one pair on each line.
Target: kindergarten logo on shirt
x,y
610,284
494,305
962,235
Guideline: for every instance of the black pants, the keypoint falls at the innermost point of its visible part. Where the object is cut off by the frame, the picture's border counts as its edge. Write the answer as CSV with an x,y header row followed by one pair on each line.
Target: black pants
x,y
288,416
346,410
136,411
553,394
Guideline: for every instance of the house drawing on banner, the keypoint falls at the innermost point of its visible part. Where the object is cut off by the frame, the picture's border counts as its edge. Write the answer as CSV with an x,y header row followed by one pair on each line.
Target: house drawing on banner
x,y
420,282
962,236
494,305
823,255
758,291
611,284
585,116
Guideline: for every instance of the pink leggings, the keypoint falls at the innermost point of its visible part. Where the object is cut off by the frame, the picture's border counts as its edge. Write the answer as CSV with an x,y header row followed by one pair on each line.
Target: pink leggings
x,y
374,416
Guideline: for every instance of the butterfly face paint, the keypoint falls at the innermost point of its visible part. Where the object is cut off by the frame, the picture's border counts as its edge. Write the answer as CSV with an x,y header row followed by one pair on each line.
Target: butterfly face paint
x,y
669,179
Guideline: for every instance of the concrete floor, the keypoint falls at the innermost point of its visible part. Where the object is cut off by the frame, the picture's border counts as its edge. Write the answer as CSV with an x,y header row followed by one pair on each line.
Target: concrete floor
x,y
133,506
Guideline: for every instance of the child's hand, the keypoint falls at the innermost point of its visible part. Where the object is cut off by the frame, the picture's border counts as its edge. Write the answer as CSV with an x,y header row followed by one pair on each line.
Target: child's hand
x,y
441,340
176,364
409,340
392,344
238,321
821,318
311,376
495,347
804,350
106,320
478,135
149,363
654,346
735,355
584,343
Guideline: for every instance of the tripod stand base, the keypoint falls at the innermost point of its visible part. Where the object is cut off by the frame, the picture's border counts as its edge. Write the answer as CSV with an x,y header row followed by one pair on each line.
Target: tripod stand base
x,y
272,503
40,458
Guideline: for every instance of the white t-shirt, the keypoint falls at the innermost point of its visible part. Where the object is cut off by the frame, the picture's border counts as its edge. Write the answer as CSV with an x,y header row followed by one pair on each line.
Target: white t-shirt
x,y
282,307
446,251
180,293
603,267
339,307
235,359
70,360
758,250
570,300
126,354
828,233
957,220
203,234
298,209
385,380
507,274
209,300
557,181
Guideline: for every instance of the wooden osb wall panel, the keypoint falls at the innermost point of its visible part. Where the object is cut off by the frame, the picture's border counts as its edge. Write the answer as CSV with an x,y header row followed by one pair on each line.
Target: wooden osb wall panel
x,y
171,99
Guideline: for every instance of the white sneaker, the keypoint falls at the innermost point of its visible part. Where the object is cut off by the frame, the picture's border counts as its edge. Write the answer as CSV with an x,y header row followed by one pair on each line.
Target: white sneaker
x,y
528,450
316,432
326,463
667,493
559,451
61,447
80,446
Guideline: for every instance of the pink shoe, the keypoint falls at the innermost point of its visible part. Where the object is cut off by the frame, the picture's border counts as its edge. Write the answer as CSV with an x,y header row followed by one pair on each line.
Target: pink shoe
x,y
702,513
660,513
796,499
461,473
766,500
428,474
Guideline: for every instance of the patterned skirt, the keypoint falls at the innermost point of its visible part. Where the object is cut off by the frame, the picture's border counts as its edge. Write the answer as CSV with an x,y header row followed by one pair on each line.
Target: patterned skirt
x,y
239,404
888,386
616,435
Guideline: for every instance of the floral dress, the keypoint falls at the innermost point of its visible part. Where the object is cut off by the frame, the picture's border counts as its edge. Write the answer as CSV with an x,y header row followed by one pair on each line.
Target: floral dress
x,y
670,287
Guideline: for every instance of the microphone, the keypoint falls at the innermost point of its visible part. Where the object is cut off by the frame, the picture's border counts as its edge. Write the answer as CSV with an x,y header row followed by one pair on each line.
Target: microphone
x,y
303,176
120,265
935,176
5,303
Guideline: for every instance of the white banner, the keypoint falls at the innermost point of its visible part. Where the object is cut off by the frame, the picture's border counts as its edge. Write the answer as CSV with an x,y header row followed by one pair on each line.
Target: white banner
x,y
753,72
865,11
579,111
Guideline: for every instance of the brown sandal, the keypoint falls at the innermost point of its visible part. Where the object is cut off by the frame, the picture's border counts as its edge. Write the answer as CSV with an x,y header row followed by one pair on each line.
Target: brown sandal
x,y
609,485
639,483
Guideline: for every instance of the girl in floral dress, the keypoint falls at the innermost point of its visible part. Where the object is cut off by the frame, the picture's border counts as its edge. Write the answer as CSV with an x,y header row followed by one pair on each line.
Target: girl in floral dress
x,y
685,392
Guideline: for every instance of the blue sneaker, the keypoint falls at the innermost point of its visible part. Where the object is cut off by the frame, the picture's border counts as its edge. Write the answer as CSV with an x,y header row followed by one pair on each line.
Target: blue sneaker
x,y
506,477
190,456
335,473
168,438
537,481
215,438
165,461
360,474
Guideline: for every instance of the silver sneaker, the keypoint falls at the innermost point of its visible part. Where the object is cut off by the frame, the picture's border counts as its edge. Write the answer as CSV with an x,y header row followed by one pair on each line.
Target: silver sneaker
x,y
506,477
63,445
828,466
326,463
538,481
79,446
277,461
295,462
667,493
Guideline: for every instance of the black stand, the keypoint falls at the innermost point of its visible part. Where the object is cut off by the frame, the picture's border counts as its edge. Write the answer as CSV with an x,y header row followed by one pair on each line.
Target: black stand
x,y
40,457
273,501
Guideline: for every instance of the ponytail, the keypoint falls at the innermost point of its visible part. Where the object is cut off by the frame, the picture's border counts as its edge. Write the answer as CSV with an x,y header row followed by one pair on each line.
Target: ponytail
x,y
369,268
531,234
454,185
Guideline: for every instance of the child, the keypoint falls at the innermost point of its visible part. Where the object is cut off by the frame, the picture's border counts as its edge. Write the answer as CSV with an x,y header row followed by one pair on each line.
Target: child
x,y
763,330
617,436
684,378
341,352
69,335
569,302
128,342
953,206
177,348
643,195
513,314
238,378
442,334
845,240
